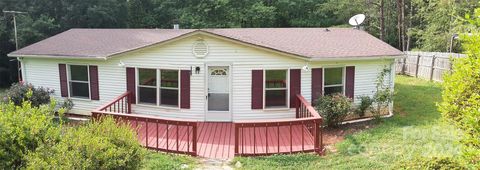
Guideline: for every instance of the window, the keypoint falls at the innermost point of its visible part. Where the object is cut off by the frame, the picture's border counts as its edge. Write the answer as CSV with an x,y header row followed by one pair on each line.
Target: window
x,y
79,83
276,90
147,86
333,80
219,72
164,91
169,87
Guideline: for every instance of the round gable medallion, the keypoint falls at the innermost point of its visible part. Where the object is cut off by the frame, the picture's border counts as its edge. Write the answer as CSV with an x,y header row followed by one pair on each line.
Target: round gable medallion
x,y
200,49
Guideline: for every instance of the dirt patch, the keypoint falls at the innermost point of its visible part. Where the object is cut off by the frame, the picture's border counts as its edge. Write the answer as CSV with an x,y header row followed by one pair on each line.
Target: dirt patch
x,y
368,114
399,111
335,135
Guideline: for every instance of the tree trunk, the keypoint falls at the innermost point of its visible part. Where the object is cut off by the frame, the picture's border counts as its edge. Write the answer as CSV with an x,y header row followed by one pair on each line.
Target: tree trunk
x,y
410,18
403,24
399,23
382,20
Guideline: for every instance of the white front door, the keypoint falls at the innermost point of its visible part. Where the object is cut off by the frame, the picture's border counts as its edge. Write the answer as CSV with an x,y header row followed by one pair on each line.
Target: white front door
x,y
218,97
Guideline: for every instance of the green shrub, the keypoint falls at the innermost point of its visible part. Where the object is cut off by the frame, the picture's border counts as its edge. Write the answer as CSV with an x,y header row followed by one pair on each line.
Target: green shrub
x,y
17,93
461,93
435,163
384,93
101,144
23,129
365,104
333,108
67,104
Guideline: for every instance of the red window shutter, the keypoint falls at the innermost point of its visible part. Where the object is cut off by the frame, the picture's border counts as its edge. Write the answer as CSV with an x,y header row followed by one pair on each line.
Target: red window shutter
x,y
185,89
295,86
62,69
131,83
317,83
93,71
350,81
257,89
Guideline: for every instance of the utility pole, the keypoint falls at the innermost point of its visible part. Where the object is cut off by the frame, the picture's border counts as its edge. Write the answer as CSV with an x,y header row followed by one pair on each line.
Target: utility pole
x,y
19,64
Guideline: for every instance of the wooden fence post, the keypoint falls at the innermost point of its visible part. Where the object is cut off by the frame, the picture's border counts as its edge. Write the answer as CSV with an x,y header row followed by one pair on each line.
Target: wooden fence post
x,y
404,64
432,69
417,65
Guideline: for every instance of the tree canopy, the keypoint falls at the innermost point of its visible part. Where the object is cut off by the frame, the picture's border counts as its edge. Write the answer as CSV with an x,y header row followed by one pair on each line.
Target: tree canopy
x,y
405,24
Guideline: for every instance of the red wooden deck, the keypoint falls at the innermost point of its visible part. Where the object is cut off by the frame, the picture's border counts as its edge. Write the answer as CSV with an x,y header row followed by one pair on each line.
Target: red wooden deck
x,y
221,140
217,140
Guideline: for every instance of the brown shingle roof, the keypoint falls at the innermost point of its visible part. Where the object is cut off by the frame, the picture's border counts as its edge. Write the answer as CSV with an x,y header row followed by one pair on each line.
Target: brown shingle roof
x,y
315,43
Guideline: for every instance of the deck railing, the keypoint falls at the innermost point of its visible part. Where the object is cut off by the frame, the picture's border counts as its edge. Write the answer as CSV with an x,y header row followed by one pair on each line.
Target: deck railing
x,y
168,135
121,104
300,134
265,137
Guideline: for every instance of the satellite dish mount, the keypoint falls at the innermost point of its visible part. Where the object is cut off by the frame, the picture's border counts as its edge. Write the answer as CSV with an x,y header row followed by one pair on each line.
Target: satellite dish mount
x,y
356,20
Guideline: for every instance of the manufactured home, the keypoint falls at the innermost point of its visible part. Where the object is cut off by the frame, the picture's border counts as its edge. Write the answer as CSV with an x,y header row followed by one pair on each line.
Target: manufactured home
x,y
206,75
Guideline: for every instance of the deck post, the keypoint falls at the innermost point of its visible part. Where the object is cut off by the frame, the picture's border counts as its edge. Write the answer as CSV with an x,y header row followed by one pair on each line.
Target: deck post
x,y
297,106
236,137
316,136
129,102
266,138
146,133
321,137
194,138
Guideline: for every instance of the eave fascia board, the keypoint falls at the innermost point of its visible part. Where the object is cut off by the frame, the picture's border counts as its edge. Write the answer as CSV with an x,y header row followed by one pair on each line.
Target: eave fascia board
x,y
56,57
358,58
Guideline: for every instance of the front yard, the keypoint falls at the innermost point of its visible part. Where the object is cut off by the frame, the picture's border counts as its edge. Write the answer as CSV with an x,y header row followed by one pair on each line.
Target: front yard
x,y
169,161
416,130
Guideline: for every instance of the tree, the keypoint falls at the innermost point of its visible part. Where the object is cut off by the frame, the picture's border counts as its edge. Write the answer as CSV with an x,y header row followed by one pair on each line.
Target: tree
x,y
33,30
435,21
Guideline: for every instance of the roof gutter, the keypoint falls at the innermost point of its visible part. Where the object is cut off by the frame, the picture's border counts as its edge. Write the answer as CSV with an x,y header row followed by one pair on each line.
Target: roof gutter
x,y
56,57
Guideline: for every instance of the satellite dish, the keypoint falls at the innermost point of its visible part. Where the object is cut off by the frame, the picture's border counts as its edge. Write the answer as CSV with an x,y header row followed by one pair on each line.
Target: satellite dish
x,y
356,20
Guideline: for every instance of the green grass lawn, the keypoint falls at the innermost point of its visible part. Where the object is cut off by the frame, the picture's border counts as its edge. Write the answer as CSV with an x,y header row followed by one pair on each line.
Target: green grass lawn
x,y
416,129
169,161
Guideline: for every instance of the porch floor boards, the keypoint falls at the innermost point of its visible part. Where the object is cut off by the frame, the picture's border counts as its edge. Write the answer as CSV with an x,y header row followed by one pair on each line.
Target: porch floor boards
x,y
217,140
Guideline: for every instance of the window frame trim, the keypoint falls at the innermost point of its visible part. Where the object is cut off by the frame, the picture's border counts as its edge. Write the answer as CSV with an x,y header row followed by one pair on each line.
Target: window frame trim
x,y
334,85
157,88
69,80
287,88
159,81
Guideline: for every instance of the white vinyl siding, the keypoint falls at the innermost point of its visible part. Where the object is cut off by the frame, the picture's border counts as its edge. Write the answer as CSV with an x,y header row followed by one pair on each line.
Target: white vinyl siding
x,y
178,55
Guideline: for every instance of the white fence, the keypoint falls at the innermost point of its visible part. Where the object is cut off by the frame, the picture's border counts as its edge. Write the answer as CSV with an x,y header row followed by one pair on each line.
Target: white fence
x,y
426,65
